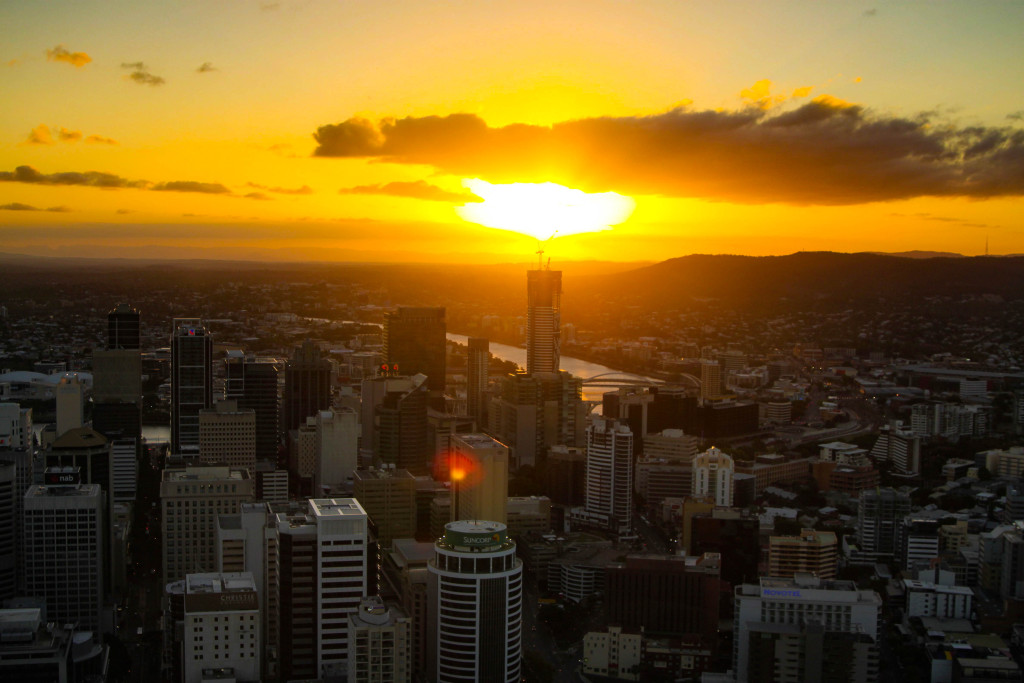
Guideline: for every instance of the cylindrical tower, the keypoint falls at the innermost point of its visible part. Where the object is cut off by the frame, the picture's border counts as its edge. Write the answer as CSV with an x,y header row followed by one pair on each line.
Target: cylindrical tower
x,y
476,603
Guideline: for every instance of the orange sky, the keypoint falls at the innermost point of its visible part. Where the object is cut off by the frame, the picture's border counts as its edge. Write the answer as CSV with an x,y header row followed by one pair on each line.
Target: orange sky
x,y
325,130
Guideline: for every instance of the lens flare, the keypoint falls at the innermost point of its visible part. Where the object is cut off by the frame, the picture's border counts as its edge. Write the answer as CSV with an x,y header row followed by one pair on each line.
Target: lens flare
x,y
543,210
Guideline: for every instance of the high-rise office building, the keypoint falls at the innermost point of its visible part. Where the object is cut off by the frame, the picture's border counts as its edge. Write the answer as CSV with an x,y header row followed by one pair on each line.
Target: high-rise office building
x,y
475,612
117,393
307,385
380,642
394,423
543,320
222,628
70,404
479,471
227,436
252,381
191,500
880,513
414,340
123,328
64,550
337,446
537,411
323,570
712,476
477,365
609,497
17,448
8,530
191,382
389,497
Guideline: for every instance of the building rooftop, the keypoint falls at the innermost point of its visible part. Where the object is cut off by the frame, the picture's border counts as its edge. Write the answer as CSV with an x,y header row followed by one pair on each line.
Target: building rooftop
x,y
336,507
218,582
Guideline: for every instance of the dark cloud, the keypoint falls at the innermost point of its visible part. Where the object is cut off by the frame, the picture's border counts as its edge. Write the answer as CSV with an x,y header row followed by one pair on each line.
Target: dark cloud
x,y
100,140
1016,115
18,206
146,78
419,189
60,54
825,151
66,135
305,189
140,74
27,174
191,186
124,212
206,67
258,195
870,12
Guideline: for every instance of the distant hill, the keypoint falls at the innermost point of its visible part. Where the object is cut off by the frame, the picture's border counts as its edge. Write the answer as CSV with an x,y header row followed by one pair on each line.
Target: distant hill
x,y
812,276
918,254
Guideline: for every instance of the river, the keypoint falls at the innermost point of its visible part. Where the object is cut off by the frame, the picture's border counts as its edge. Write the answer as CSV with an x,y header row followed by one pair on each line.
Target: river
x,y
574,366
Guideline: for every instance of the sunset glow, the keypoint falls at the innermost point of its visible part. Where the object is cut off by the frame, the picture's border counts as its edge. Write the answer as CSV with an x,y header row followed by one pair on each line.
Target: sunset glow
x,y
544,210
315,130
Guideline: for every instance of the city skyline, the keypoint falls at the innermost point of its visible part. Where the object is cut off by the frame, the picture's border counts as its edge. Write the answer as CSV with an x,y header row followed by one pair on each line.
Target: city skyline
x,y
364,132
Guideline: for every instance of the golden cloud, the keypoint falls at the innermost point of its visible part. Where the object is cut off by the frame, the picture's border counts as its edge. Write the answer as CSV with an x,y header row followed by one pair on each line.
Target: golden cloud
x,y
60,54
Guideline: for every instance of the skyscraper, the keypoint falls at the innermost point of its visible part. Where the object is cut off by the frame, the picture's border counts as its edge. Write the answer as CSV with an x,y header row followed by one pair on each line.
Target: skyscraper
x,y
64,557
610,474
191,382
475,605
307,385
394,423
482,465
478,360
323,569
543,320
252,381
414,340
123,328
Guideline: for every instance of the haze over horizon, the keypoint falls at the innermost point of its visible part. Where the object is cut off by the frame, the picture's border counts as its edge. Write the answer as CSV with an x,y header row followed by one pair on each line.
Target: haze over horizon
x,y
305,131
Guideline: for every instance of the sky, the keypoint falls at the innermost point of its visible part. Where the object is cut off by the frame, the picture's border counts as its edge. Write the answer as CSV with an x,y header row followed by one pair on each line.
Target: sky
x,y
371,131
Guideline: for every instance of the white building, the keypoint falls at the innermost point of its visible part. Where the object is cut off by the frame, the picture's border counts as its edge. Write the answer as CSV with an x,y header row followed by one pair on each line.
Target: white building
x,y
64,554
126,469
933,594
475,612
712,476
609,478
15,426
380,642
899,446
342,576
613,653
790,613
222,628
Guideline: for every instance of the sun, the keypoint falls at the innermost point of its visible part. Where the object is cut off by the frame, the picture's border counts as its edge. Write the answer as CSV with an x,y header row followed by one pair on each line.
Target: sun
x,y
543,210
